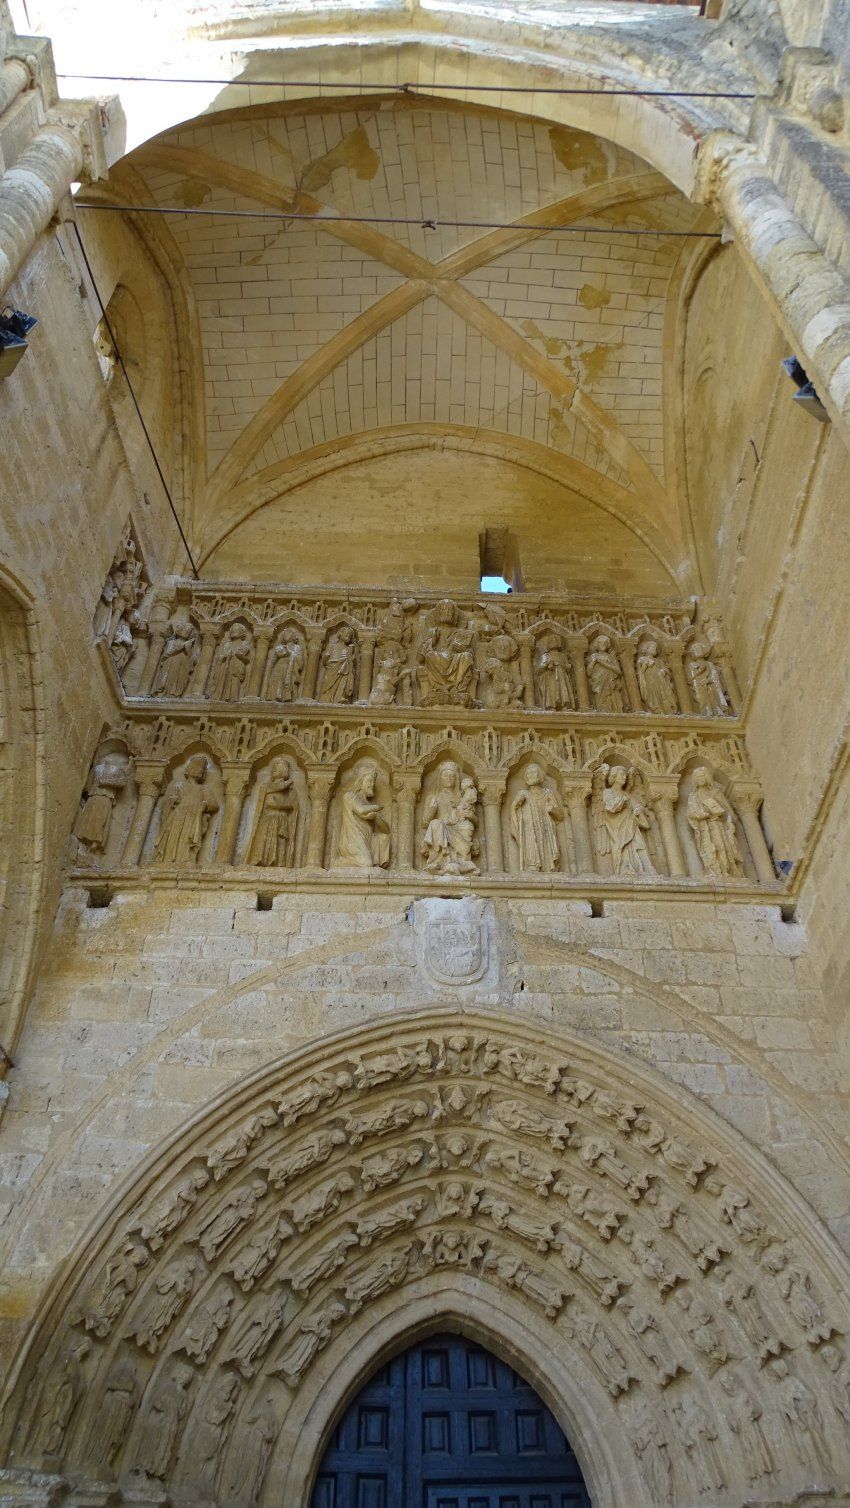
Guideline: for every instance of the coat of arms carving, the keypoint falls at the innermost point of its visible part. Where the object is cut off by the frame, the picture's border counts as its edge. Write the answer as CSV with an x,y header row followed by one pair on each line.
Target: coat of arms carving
x,y
454,941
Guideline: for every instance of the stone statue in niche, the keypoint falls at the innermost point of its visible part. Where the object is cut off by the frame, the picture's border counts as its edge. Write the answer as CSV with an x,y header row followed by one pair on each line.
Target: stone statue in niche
x,y
229,674
605,677
621,822
700,1439
338,668
273,839
123,642
654,680
178,657
553,681
162,1424
188,807
109,776
286,666
446,672
122,592
706,685
652,1449
503,684
390,671
254,1451
534,811
799,1407
363,835
712,822
210,1433
114,1413
449,840
743,1417
120,1279
63,1388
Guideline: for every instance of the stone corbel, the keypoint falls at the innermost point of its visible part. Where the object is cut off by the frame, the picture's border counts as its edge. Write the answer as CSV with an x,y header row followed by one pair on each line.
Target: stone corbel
x,y
492,794
319,786
747,798
406,787
235,780
576,791
148,779
663,792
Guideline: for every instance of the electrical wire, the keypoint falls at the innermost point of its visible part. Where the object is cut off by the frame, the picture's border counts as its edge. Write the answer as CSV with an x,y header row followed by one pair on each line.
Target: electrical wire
x,y
411,88
120,359
343,219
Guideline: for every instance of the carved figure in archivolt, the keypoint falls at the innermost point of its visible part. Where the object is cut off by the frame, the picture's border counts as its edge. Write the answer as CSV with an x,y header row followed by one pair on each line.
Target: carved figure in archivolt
x,y
337,671
229,674
671,1216
552,675
273,839
700,1439
651,1341
384,1275
653,1267
704,1332
120,1279
799,1407
652,1448
706,685
743,1416
576,1258
712,822
206,1325
285,667
170,1211
163,1303
216,1230
621,822
178,657
503,683
316,1206
188,806
534,811
606,1357
363,834
323,1262
114,1413
449,841
514,1273
385,1168
583,1203
109,776
795,1288
655,682
311,1154
391,1218
265,1323
734,1207
446,671
62,1391
310,1336
255,1448
162,1424
233,1148
740,1298
839,1380
605,677
210,1432
256,1255
389,673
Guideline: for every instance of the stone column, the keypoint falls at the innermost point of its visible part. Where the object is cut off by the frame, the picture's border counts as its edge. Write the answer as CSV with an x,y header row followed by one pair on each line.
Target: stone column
x,y
722,656
157,634
748,798
368,638
664,793
406,785
315,638
235,778
675,652
626,656
319,787
492,793
577,790
526,665
577,644
147,786
209,638
265,634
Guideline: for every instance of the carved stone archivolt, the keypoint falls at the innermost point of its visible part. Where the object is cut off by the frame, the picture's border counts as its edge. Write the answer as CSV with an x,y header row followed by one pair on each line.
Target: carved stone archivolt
x,y
489,807
660,1262
554,655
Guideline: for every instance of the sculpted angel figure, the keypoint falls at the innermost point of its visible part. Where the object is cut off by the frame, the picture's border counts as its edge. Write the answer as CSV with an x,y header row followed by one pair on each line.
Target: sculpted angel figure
x,y
552,674
654,680
230,668
449,841
605,677
273,840
286,667
363,837
337,671
712,823
534,812
179,654
622,823
706,686
188,807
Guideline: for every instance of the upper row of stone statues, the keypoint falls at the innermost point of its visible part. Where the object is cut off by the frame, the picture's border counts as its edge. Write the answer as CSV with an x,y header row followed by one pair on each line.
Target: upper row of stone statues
x,y
429,655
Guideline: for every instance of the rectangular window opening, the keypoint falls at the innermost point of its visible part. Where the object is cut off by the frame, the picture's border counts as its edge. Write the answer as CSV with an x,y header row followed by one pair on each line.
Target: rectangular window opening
x,y
99,896
265,900
498,561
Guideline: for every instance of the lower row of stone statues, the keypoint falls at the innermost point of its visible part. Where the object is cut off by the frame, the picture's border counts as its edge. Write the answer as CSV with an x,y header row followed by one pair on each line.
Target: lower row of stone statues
x,y
453,825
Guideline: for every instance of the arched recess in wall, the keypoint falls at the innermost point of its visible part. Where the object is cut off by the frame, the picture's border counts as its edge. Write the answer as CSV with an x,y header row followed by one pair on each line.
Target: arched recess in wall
x,y
21,803
678,1307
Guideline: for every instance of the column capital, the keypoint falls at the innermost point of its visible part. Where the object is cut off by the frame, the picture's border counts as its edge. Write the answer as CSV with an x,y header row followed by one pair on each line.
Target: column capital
x,y
576,788
148,777
663,787
235,777
493,787
407,784
746,794
320,781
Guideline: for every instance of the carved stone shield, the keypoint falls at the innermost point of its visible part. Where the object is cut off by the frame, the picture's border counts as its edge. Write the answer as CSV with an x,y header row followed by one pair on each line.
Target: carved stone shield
x,y
454,940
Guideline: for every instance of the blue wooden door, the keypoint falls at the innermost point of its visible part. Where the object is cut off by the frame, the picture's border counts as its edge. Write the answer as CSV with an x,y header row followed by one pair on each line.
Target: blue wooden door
x,y
448,1425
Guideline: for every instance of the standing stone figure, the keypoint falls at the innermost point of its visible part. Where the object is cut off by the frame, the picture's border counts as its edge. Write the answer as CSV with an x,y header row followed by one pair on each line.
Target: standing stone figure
x,y
94,822
449,837
162,1424
209,1435
254,1451
338,668
273,840
699,1436
164,1301
706,686
363,838
286,667
800,1408
60,1395
605,677
744,1419
839,1382
712,823
114,1413
654,680
622,823
534,812
230,667
188,807
503,685
652,1450
177,660
552,674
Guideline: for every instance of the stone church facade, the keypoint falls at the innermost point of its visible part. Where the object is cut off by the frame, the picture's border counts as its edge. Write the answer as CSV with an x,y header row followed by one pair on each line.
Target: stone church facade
x,y
384,957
